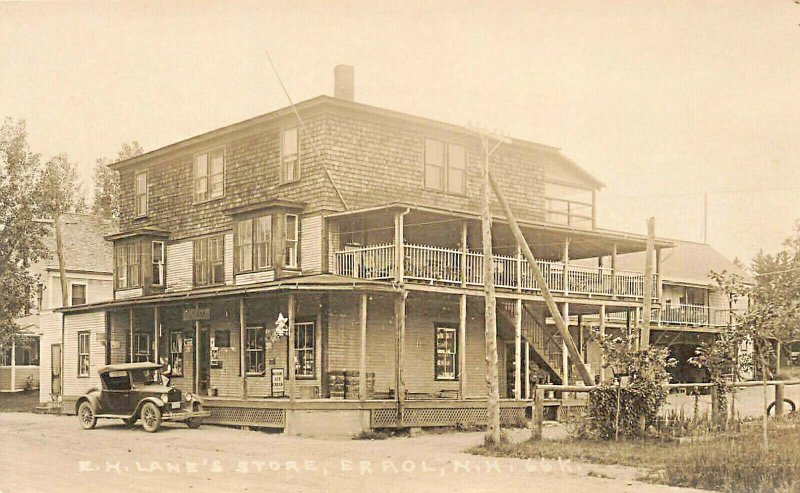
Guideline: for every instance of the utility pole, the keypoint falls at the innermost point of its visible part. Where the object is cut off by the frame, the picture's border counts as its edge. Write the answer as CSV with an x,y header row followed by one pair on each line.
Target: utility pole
x,y
490,300
705,218
62,274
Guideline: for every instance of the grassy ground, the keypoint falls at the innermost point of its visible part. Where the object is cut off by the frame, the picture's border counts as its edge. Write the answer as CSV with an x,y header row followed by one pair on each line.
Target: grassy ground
x,y
19,401
733,463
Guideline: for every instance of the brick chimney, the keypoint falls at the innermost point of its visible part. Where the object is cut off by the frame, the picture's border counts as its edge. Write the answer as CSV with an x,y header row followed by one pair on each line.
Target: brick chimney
x,y
344,82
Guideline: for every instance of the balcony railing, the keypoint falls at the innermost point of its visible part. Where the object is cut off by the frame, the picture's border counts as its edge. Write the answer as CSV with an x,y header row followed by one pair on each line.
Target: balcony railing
x,y
432,264
681,315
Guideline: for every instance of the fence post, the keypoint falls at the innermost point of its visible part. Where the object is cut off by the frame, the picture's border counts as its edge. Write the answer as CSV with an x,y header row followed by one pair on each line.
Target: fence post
x,y
779,393
538,415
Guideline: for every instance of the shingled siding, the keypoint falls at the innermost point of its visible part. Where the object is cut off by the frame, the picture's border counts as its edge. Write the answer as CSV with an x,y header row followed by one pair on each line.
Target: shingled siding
x,y
378,162
251,176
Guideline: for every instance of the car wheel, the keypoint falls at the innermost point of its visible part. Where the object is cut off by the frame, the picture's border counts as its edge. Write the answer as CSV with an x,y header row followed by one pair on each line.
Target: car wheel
x,y
194,423
151,417
86,416
129,422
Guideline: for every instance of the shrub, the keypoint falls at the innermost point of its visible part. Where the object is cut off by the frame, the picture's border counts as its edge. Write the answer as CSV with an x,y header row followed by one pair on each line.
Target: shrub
x,y
642,399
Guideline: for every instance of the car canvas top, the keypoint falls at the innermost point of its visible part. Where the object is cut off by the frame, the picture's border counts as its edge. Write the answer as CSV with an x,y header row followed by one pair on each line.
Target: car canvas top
x,y
129,366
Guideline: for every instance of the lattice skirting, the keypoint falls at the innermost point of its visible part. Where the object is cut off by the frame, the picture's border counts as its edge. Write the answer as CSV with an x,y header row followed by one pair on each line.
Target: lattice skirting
x,y
387,418
570,413
247,416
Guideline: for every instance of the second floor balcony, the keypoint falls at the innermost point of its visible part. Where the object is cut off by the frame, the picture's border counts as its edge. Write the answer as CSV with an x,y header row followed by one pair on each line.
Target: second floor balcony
x,y
455,267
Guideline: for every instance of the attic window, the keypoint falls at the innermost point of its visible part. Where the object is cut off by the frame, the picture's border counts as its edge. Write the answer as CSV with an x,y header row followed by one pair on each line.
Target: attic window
x,y
445,166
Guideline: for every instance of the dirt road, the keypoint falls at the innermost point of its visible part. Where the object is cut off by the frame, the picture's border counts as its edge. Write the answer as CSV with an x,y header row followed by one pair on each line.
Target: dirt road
x,y
51,453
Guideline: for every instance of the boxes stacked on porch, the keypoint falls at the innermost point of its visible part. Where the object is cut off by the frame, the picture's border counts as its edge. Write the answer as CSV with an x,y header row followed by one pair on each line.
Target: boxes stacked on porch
x,y
352,382
336,384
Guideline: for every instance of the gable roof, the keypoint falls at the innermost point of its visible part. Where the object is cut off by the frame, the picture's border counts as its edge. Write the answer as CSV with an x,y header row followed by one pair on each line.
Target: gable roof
x,y
344,104
687,263
85,247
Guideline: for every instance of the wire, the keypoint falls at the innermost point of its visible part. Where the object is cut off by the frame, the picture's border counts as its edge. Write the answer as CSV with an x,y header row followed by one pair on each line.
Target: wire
x,y
718,192
777,272
305,131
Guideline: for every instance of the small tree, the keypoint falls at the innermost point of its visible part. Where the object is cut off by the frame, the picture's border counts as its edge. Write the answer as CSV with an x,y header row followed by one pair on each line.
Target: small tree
x,y
106,182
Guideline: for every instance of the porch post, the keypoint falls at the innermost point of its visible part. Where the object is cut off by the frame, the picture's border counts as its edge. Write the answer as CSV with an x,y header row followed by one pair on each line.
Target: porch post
x,y
242,347
13,363
518,349
290,363
155,334
659,287
464,251
614,271
108,337
400,322
565,261
527,370
564,352
130,326
602,334
399,246
519,269
462,346
196,352
637,324
362,372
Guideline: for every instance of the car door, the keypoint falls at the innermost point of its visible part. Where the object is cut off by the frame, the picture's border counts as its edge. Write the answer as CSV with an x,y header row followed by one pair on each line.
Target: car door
x,y
117,393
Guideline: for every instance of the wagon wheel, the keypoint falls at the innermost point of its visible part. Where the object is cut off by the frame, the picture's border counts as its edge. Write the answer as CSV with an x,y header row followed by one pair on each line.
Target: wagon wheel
x,y
86,416
151,417
771,407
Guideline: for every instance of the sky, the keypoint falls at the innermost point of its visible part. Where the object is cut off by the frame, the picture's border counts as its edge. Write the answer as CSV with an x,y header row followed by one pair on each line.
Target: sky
x,y
662,101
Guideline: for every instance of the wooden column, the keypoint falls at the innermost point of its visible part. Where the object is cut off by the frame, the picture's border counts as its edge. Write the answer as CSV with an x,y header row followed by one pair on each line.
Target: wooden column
x,y
362,367
649,291
602,334
659,279
780,394
399,247
564,352
291,308
518,350
108,336
13,363
242,347
156,337
462,346
637,325
196,354
400,323
614,271
464,252
130,325
565,261
527,370
519,269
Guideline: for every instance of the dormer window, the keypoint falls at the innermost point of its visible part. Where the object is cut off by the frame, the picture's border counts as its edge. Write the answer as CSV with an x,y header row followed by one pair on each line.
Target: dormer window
x,y
290,155
209,175
445,166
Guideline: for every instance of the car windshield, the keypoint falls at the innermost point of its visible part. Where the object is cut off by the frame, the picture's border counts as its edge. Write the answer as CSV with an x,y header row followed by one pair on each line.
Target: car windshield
x,y
145,377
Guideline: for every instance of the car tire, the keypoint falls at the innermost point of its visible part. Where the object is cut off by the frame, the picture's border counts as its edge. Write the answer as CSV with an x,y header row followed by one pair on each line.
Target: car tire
x,y
86,416
151,417
195,423
129,422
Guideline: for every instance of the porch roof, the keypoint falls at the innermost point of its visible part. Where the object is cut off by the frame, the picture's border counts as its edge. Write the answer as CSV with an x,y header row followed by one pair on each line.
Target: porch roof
x,y
590,241
317,282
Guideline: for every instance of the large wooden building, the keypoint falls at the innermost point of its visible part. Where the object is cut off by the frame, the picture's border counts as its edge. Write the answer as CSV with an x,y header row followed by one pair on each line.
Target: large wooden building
x,y
360,228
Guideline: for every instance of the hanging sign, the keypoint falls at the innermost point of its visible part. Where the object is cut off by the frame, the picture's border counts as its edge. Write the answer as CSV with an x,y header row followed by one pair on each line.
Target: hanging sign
x,y
277,382
192,314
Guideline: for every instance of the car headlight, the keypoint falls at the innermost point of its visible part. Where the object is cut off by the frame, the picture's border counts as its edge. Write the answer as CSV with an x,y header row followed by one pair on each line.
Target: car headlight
x,y
165,397
189,397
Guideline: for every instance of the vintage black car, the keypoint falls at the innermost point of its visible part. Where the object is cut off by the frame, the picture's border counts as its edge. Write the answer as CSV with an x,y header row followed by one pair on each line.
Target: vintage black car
x,y
133,391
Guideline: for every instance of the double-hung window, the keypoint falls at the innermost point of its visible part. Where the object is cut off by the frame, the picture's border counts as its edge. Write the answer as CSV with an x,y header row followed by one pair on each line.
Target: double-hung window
x,y
445,166
254,346
84,337
253,243
262,243
176,353
121,266
446,353
290,155
209,261
133,265
126,265
209,175
141,348
292,237
243,245
77,294
304,357
158,263
141,194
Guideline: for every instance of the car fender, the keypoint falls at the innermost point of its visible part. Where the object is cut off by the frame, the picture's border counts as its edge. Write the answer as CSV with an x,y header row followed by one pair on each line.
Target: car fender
x,y
91,399
155,400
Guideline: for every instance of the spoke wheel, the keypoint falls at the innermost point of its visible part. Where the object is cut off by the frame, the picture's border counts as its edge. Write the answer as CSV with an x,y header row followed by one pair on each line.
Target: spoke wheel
x,y
86,416
151,417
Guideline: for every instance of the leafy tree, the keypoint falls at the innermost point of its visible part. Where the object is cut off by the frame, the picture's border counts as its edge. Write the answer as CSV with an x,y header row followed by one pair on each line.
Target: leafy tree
x,y
21,234
106,182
